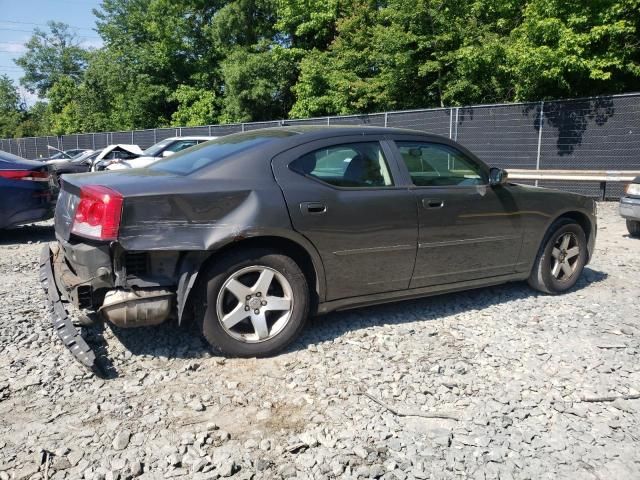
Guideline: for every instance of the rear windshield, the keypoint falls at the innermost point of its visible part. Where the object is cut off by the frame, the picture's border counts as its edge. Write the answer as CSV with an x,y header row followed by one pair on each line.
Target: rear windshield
x,y
208,153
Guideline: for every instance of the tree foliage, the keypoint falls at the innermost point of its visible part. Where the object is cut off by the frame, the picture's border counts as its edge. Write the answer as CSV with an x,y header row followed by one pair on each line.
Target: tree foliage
x,y
51,56
207,61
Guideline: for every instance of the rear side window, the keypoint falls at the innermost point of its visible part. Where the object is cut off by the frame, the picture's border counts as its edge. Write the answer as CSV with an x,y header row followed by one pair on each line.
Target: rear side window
x,y
358,165
434,164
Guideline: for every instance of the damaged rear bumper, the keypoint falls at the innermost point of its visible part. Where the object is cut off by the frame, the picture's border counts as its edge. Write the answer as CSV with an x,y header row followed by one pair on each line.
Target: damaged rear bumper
x,y
62,323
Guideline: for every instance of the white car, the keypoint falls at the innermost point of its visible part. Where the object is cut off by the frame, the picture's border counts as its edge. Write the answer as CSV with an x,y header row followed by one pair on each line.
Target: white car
x,y
113,154
162,149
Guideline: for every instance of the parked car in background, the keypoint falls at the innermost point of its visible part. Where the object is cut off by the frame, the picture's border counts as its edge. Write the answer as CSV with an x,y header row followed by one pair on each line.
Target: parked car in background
x,y
115,154
162,149
62,156
251,233
79,164
25,193
630,207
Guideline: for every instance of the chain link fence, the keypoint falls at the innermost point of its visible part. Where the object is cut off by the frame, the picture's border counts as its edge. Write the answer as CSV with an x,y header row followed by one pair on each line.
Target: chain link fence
x,y
599,133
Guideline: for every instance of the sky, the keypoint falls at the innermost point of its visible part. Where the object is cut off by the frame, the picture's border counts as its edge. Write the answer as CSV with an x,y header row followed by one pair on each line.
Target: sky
x,y
18,18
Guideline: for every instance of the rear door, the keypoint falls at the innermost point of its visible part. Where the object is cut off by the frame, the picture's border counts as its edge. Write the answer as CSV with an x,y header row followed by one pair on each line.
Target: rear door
x,y
343,195
467,229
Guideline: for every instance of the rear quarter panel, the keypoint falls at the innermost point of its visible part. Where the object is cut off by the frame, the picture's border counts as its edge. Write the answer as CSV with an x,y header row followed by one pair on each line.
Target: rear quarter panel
x,y
203,219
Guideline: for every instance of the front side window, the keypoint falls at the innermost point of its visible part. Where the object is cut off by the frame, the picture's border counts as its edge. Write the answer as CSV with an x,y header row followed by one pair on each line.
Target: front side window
x,y
358,165
434,164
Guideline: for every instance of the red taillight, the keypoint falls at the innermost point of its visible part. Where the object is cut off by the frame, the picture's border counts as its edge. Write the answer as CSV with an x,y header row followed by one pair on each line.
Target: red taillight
x,y
24,175
98,213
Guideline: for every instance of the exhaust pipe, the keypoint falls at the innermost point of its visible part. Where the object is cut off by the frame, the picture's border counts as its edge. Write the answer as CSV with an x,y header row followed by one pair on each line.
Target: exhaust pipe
x,y
137,308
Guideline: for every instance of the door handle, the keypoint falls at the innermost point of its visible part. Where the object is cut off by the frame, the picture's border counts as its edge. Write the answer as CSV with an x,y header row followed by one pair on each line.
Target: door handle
x,y
431,203
313,208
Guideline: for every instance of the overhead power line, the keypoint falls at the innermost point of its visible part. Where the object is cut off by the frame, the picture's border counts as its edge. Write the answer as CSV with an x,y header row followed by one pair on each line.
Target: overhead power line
x,y
15,22
5,29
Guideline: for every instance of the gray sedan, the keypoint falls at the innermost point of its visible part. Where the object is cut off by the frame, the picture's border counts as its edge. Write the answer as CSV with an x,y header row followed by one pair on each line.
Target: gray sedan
x,y
250,234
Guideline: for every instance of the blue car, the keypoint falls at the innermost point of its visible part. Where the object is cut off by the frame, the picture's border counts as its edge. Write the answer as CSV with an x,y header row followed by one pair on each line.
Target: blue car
x,y
25,192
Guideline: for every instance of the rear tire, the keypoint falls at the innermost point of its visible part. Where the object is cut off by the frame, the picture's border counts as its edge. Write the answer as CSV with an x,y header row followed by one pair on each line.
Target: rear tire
x,y
252,303
561,258
634,228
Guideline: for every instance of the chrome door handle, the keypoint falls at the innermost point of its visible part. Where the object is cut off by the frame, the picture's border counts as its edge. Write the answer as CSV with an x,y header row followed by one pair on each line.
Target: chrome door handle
x,y
431,203
313,208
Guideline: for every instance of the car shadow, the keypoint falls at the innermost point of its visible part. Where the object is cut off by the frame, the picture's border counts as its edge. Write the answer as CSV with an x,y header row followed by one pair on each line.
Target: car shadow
x,y
169,340
426,309
41,232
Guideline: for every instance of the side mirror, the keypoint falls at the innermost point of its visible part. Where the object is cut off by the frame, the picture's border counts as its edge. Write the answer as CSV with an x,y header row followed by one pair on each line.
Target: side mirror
x,y
498,176
167,153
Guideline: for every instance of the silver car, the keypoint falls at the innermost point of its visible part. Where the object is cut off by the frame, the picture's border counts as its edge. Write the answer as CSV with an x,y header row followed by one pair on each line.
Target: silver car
x,y
630,207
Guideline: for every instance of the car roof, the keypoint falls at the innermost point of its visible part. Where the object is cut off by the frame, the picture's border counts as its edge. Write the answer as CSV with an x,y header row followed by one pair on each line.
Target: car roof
x,y
281,139
329,131
188,137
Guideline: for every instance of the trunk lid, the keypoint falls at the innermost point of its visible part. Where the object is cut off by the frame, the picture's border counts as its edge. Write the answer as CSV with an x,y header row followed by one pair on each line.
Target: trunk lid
x,y
133,184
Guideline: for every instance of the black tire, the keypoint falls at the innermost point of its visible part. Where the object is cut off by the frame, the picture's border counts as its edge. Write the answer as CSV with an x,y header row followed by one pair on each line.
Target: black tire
x,y
541,277
212,281
634,228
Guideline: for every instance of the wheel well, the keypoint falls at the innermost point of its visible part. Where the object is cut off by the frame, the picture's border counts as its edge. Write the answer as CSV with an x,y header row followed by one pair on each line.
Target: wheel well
x,y
581,219
282,245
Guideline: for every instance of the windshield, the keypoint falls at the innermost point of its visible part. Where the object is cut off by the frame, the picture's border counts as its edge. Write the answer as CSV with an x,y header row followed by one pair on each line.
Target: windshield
x,y
155,150
205,154
84,156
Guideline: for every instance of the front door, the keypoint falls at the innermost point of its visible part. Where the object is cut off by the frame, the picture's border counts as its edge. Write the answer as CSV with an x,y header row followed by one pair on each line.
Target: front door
x,y
467,229
342,196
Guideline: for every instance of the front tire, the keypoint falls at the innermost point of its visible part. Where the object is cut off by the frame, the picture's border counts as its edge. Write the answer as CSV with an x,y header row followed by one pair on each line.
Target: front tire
x,y
634,228
252,303
561,258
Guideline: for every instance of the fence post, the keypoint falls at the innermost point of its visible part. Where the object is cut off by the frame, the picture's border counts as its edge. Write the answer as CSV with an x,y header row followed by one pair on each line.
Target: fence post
x,y
540,137
450,122
457,114
386,118
328,120
155,136
242,127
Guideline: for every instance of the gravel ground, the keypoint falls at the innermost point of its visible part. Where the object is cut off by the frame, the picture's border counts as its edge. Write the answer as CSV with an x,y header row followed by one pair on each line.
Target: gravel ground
x,y
510,367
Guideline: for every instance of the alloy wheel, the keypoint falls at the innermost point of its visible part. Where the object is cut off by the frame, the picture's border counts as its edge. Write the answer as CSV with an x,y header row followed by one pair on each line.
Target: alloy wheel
x,y
565,257
255,304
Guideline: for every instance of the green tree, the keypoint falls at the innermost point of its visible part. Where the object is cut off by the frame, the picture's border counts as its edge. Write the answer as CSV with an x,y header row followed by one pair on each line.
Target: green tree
x,y
49,56
311,24
258,83
36,122
151,49
566,48
196,106
11,108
